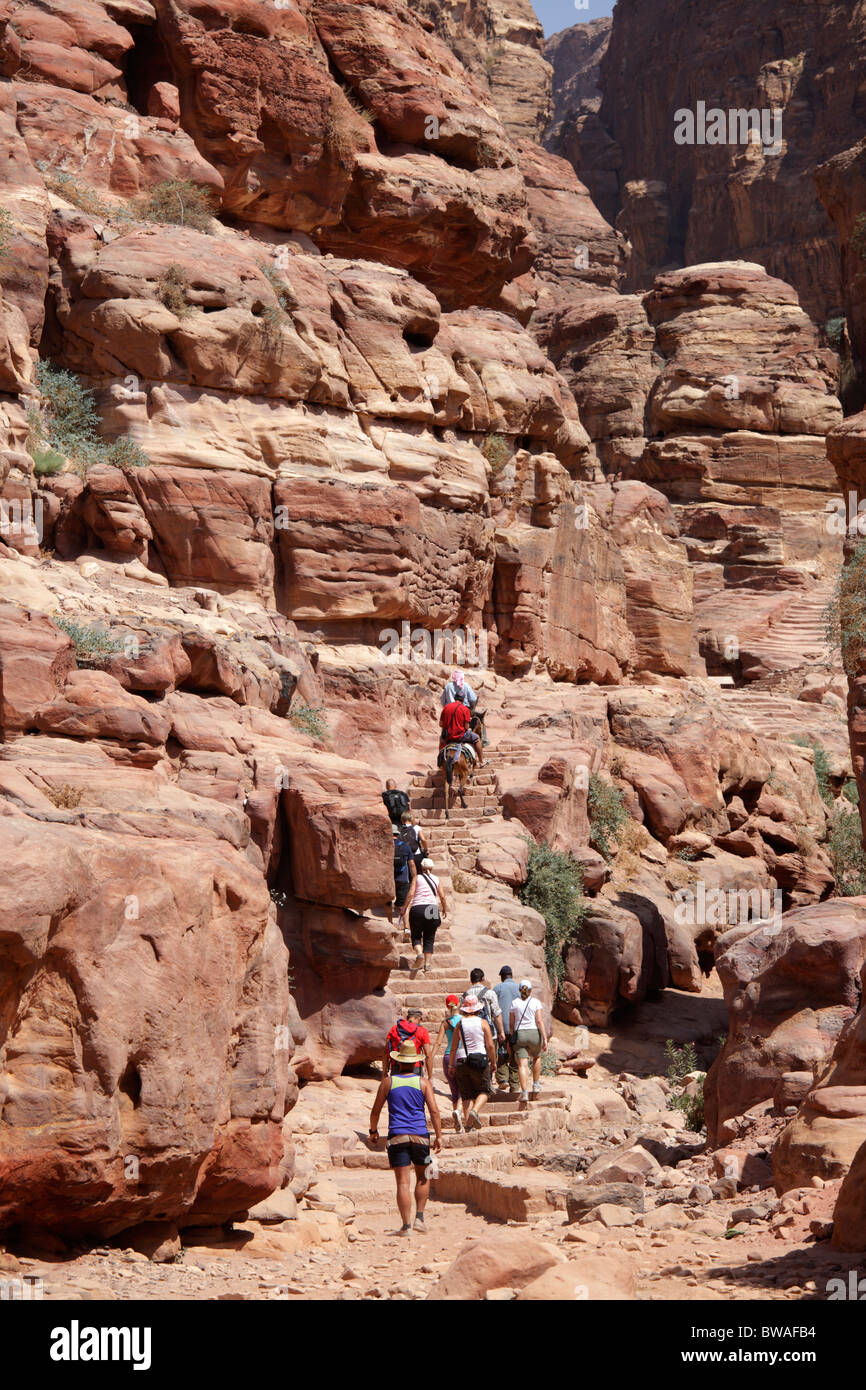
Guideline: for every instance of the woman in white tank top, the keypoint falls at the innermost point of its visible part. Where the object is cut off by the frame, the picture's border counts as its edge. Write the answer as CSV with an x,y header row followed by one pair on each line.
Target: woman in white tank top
x,y
472,1060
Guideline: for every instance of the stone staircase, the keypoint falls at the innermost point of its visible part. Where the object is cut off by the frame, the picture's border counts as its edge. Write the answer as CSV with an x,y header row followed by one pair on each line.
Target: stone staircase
x,y
504,1123
775,716
796,635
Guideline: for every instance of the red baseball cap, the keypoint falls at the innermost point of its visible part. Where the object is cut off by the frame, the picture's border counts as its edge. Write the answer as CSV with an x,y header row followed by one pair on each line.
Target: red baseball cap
x,y
451,999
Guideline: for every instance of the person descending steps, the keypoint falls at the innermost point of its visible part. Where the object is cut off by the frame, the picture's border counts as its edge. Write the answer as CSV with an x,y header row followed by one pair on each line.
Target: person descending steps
x,y
408,1095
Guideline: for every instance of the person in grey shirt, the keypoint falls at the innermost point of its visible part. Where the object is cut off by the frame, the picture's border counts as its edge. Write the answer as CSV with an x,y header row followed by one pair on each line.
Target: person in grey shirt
x,y
458,688
507,1075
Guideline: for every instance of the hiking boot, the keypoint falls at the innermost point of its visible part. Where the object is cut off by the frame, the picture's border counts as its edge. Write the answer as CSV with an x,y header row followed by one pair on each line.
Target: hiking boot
x,y
474,1121
420,1225
458,1121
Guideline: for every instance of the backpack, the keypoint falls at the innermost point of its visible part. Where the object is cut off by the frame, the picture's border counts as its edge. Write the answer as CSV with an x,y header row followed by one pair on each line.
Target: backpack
x,y
396,803
409,836
405,1030
482,994
402,859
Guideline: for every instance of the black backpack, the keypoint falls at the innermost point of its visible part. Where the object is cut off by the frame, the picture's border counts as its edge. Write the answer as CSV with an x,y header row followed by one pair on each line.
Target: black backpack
x,y
396,803
402,860
409,836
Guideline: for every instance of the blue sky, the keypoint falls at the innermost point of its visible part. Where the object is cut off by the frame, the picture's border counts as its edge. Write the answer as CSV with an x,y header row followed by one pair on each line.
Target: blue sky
x,y
561,14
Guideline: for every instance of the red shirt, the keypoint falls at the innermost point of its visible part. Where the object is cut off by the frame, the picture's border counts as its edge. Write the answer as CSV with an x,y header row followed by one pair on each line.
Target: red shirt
x,y
455,719
420,1037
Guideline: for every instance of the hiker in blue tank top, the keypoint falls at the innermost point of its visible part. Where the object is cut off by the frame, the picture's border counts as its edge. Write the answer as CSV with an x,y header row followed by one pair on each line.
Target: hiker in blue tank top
x,y
410,1099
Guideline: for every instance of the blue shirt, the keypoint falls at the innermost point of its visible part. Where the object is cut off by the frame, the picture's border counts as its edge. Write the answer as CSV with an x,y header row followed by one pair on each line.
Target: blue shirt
x,y
506,992
449,1031
406,1114
464,693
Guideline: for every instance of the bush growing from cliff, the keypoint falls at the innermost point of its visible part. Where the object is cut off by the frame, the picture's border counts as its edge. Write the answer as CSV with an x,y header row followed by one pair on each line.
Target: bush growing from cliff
x,y
92,643
67,426
80,194
845,847
171,290
607,815
822,768
554,887
47,462
846,612
6,227
177,203
495,450
309,720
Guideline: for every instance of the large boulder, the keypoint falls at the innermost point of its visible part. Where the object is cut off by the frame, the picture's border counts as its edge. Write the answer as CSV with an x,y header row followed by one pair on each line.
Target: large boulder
x,y
790,986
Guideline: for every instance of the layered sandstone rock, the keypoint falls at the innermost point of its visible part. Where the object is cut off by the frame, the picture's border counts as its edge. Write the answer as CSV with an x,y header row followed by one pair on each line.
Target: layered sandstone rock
x,y
830,1125
502,45
791,987
681,204
714,389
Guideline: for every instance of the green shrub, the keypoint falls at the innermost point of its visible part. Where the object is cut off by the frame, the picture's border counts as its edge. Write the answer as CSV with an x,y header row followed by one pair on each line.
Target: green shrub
x,y
47,462
177,203
822,768
681,1061
171,289
833,331
851,792
125,453
6,228
92,642
496,451
80,194
549,1063
607,815
845,847
554,887
68,425
846,611
309,720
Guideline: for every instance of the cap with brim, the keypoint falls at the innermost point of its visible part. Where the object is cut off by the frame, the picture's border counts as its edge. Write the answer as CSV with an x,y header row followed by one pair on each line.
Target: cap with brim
x,y
470,1005
451,999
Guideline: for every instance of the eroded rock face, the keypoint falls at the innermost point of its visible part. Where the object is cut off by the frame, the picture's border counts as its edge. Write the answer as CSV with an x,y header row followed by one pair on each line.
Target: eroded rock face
x,y
713,389
830,1126
502,45
681,204
791,987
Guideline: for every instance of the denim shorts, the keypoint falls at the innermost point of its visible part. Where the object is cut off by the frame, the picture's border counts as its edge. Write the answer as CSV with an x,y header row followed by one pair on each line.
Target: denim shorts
x,y
409,1151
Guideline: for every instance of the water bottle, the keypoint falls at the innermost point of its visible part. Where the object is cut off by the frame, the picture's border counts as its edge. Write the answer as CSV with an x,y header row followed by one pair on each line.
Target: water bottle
x,y
432,1165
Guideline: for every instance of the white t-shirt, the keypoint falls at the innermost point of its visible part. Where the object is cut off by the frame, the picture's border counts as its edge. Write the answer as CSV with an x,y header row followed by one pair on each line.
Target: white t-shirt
x,y
473,1032
523,1013
424,894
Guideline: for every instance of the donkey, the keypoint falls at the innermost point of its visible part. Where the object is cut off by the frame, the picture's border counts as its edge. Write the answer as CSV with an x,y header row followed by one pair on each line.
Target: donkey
x,y
457,760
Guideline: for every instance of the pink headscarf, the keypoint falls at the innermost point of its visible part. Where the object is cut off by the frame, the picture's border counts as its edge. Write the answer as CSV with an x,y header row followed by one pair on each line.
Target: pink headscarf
x,y
457,677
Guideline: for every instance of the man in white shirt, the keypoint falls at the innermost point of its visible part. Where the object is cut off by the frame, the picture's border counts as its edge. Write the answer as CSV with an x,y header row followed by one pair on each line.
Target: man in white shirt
x,y
482,991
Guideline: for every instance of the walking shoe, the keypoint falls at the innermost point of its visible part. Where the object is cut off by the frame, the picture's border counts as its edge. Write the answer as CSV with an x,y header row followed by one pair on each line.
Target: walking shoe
x,y
536,1087
427,963
458,1121
474,1121
419,961
419,1224
524,1095
405,1231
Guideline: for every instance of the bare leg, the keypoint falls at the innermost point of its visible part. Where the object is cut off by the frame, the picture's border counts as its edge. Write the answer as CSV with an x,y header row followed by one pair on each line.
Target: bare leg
x,y
523,1073
404,1194
422,1187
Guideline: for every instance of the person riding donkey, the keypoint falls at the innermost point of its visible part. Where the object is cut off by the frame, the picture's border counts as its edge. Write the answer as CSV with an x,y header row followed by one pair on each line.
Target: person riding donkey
x,y
456,721
458,688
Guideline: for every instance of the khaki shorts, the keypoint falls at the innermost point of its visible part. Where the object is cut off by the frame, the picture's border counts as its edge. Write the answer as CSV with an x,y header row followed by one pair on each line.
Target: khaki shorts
x,y
527,1043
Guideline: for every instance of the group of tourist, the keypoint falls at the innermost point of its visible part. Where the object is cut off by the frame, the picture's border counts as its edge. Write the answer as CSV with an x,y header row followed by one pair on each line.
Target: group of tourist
x,y
477,1048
